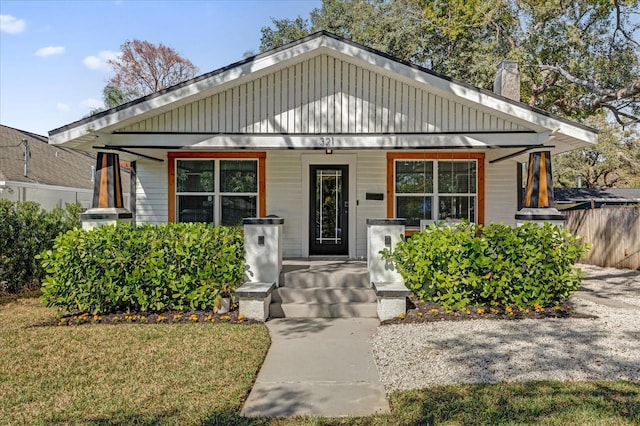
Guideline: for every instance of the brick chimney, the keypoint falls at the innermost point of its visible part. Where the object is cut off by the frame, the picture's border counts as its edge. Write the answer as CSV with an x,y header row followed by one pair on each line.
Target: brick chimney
x,y
507,82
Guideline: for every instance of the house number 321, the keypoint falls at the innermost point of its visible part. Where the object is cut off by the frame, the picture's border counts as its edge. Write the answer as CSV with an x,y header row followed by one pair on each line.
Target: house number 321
x,y
326,141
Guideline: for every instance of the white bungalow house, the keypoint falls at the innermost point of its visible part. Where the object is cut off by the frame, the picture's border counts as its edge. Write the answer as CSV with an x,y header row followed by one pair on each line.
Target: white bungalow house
x,y
326,133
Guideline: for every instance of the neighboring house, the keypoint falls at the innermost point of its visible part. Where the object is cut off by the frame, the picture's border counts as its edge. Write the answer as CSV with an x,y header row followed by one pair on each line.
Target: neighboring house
x,y
595,198
50,175
326,133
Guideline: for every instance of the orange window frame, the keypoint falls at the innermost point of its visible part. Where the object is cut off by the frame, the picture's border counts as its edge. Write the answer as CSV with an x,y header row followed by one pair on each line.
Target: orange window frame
x,y
392,156
260,156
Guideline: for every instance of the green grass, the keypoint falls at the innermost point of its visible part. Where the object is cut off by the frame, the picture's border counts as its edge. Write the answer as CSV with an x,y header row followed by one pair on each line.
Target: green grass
x,y
199,374
122,374
531,403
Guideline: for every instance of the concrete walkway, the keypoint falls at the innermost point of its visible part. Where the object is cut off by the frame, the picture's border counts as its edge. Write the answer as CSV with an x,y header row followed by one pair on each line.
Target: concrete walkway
x,y
320,367
613,288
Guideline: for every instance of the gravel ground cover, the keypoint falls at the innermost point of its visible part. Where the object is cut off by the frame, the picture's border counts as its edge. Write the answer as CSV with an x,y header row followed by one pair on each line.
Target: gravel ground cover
x,y
413,356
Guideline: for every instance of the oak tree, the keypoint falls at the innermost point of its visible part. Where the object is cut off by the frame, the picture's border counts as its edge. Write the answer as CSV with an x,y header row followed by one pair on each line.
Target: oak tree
x,y
577,58
613,162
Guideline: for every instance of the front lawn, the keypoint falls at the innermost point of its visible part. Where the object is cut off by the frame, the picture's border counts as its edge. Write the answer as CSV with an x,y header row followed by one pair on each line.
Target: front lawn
x,y
199,374
530,403
122,374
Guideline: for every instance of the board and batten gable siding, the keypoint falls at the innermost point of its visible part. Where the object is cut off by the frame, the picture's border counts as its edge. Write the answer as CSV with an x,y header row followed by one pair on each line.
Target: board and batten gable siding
x,y
151,192
323,94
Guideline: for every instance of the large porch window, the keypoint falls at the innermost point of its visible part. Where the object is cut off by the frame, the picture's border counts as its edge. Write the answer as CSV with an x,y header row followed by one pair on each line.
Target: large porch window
x,y
425,188
216,188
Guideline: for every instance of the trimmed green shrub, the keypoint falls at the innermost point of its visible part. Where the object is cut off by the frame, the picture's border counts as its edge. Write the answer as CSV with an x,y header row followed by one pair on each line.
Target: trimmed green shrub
x,y
468,264
147,268
26,230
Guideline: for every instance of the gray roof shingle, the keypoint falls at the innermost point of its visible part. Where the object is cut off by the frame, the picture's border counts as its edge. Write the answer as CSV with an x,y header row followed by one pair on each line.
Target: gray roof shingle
x,y
597,194
48,164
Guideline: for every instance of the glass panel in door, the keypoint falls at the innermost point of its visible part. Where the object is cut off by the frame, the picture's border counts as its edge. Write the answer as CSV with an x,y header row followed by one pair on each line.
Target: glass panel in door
x,y
329,210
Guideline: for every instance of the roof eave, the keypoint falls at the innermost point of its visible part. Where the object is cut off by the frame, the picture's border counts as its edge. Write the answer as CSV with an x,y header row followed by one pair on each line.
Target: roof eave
x,y
76,134
447,85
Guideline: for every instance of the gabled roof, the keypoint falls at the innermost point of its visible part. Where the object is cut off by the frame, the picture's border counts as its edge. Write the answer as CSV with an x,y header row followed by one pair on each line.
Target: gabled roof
x,y
550,128
47,164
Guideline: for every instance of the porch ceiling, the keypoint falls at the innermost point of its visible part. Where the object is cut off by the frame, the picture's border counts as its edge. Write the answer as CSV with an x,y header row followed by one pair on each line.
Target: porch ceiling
x,y
340,142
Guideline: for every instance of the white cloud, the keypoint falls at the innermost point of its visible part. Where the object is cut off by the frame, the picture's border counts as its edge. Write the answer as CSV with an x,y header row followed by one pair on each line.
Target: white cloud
x,y
62,107
49,50
100,61
92,103
12,25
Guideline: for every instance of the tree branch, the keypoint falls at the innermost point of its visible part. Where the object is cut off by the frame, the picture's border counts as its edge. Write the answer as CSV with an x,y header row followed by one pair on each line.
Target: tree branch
x,y
538,90
619,114
619,27
606,95
591,84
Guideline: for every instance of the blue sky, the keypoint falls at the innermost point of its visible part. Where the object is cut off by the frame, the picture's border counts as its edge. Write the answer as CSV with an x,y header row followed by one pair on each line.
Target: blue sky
x,y
53,53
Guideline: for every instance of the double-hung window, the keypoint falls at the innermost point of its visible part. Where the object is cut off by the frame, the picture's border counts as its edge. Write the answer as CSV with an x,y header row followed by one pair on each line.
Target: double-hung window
x,y
220,191
414,191
457,190
431,190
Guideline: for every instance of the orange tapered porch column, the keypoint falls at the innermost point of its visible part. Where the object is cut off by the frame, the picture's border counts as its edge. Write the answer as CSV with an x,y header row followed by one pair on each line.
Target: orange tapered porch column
x,y
538,197
107,207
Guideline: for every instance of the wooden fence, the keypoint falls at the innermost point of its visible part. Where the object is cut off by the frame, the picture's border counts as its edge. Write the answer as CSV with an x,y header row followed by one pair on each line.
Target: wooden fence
x,y
613,232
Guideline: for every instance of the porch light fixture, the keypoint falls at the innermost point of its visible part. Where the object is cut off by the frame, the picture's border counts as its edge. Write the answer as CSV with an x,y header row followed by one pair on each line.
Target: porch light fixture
x,y
328,151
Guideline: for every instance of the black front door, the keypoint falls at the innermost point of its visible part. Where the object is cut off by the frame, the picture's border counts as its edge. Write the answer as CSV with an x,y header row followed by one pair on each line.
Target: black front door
x,y
329,210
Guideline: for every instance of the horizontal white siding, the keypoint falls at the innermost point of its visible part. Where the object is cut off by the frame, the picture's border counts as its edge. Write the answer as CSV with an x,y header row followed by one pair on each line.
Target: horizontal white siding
x,y
372,177
151,192
324,95
285,196
501,197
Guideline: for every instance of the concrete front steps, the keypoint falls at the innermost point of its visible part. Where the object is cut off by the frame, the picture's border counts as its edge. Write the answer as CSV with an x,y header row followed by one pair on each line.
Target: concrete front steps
x,y
324,289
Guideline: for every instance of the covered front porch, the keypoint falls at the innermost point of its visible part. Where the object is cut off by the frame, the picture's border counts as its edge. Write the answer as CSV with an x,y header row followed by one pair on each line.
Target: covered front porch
x,y
326,124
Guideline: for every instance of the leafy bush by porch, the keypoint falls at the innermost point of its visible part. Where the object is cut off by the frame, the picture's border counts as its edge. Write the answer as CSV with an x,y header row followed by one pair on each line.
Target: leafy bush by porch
x,y
25,230
147,268
469,264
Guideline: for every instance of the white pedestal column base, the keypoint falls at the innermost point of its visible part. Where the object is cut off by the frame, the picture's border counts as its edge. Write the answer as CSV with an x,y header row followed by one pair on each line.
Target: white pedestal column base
x,y
263,249
256,309
104,216
381,234
391,307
